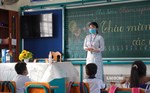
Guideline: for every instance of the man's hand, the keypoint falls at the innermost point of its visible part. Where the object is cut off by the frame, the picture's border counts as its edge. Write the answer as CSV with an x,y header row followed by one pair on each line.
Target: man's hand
x,y
90,49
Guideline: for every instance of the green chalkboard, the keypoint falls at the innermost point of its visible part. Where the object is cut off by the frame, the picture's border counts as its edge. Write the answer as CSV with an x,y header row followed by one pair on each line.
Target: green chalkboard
x,y
125,28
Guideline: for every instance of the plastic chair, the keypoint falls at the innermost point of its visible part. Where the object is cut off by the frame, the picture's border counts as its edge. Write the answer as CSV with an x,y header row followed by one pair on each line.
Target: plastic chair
x,y
75,87
57,56
127,90
37,87
9,86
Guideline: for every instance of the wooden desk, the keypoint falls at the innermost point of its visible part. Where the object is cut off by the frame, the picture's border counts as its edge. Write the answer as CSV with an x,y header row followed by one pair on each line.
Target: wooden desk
x,y
44,72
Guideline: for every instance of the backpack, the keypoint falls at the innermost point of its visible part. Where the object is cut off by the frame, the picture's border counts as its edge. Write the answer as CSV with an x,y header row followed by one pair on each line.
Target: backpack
x,y
113,89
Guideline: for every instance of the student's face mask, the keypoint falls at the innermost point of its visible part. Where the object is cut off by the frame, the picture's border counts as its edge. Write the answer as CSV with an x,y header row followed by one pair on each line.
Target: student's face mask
x,y
92,31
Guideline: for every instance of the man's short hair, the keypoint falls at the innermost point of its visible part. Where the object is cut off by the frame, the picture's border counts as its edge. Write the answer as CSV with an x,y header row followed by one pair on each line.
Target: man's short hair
x,y
91,69
20,67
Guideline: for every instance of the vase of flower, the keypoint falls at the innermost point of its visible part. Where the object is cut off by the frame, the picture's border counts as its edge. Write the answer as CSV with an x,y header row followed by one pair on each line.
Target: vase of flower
x,y
25,56
26,60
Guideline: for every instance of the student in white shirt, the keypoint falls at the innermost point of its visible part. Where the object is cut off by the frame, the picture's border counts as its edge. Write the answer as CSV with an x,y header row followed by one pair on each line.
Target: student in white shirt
x,y
21,77
95,84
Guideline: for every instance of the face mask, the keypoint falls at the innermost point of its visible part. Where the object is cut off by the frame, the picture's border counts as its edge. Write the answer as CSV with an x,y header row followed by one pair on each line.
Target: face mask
x,y
92,31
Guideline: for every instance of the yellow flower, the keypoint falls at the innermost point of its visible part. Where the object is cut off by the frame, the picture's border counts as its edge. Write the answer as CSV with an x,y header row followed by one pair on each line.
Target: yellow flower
x,y
23,51
21,57
25,55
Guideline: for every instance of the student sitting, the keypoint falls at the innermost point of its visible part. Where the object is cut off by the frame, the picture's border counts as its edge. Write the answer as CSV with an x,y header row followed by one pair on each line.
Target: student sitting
x,y
138,76
21,77
94,83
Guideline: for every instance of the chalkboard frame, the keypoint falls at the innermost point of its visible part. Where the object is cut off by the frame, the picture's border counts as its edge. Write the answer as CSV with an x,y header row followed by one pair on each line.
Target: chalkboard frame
x,y
104,58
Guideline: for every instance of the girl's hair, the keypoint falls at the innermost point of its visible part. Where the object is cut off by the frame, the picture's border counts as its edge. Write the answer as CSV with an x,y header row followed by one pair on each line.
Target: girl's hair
x,y
95,24
138,70
91,69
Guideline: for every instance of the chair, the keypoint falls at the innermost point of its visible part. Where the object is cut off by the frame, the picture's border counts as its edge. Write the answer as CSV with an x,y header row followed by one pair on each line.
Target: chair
x,y
127,90
75,87
9,86
57,56
37,87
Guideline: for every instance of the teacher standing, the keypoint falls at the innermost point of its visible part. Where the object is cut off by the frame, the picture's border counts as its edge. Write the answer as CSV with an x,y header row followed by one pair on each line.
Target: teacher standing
x,y
94,45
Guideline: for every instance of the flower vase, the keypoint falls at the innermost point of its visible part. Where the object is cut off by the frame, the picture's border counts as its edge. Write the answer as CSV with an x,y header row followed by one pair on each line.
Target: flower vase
x,y
26,60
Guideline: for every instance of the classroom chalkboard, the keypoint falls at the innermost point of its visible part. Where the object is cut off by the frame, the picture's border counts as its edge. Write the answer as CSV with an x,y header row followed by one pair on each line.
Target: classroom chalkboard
x,y
125,28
